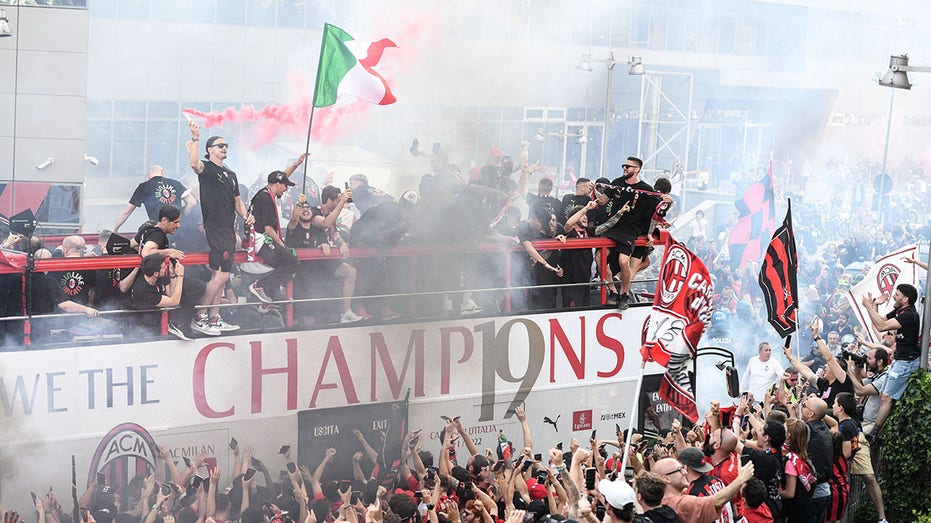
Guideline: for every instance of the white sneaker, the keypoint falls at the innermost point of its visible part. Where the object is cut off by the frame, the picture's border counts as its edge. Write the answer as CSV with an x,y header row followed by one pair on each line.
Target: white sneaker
x,y
469,307
177,331
221,324
259,293
202,325
349,317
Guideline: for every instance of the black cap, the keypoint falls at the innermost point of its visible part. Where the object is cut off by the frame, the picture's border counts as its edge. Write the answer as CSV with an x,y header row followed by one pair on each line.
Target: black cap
x,y
694,459
280,177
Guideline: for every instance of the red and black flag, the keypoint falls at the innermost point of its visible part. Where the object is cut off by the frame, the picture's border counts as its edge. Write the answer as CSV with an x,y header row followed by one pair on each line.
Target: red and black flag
x,y
778,278
756,222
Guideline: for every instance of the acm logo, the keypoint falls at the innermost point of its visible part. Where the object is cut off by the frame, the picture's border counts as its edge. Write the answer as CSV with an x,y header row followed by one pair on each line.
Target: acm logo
x,y
125,452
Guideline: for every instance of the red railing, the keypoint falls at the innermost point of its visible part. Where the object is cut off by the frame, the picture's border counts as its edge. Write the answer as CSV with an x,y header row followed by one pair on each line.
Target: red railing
x,y
411,251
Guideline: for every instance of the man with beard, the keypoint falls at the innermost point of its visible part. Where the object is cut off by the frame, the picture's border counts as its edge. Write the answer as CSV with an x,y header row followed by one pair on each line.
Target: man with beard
x,y
877,361
904,320
313,227
725,462
632,224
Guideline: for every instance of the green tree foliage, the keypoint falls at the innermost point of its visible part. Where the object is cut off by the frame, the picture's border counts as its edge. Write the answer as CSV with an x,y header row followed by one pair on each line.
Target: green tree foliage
x,y
906,468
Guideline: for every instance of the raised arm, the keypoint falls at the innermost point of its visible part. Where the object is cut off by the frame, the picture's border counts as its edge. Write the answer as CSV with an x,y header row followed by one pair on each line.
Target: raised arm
x,y
193,151
318,472
124,215
470,445
369,451
524,426
880,323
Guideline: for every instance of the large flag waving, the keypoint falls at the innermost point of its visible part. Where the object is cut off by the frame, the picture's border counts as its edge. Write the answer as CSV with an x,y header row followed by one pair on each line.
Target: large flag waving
x,y
347,67
757,220
888,271
681,310
779,278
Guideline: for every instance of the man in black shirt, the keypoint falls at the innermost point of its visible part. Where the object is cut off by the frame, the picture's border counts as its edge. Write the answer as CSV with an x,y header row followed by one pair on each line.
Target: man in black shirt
x,y
155,192
633,224
271,248
904,320
767,463
313,227
155,239
159,285
220,202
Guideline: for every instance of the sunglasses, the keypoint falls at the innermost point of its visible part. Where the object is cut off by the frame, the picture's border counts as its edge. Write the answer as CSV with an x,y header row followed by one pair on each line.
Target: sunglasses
x,y
628,166
221,145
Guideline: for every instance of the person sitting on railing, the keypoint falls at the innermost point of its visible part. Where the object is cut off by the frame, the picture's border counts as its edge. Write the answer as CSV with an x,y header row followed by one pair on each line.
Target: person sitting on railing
x,y
311,228
533,267
162,285
271,247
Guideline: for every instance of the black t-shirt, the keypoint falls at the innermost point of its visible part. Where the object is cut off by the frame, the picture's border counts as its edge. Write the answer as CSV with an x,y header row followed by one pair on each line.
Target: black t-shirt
x,y
767,467
300,237
46,294
535,200
577,263
829,391
76,284
906,338
156,192
154,234
219,188
642,205
108,288
265,211
144,295
820,449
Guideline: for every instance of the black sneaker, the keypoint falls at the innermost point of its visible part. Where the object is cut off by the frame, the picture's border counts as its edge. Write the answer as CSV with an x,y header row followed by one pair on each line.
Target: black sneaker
x,y
623,302
612,298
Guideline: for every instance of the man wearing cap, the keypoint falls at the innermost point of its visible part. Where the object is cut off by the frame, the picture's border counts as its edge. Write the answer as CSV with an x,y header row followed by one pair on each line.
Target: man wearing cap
x,y
694,509
620,498
701,484
220,202
274,252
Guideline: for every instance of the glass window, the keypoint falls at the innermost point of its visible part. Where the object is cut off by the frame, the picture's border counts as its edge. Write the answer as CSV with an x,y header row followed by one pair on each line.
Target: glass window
x,y
98,109
727,31
129,109
200,11
490,134
534,113
169,10
640,26
163,144
513,113
490,113
260,12
128,148
658,28
133,9
291,13
164,110
97,144
576,114
231,12
103,8
62,204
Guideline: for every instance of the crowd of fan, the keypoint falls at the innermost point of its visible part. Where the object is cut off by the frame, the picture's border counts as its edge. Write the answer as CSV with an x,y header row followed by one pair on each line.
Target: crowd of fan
x,y
786,457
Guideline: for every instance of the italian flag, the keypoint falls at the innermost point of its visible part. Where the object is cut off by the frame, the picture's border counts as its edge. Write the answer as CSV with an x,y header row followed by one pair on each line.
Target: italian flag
x,y
347,67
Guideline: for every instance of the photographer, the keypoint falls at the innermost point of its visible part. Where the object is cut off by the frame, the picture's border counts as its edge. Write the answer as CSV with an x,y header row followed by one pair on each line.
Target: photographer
x,y
161,286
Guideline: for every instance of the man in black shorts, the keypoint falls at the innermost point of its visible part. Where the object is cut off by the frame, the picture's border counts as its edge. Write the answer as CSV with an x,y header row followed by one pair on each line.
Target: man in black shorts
x,y
632,224
220,202
153,193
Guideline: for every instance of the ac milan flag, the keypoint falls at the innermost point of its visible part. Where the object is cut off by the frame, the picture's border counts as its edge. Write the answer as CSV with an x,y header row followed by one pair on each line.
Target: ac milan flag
x,y
756,222
681,310
885,274
779,278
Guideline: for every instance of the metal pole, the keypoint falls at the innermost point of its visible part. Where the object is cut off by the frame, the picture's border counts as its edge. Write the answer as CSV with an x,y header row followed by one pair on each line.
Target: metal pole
x,y
882,179
604,132
926,321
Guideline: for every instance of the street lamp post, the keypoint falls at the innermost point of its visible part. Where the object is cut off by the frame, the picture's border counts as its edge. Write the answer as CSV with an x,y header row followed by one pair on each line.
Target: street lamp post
x,y
897,78
586,65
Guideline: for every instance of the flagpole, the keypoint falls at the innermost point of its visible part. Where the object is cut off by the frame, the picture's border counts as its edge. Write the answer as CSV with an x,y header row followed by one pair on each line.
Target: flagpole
x,y
307,147
633,412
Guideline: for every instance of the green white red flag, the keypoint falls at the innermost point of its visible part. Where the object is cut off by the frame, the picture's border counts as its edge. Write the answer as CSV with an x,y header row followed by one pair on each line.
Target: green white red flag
x,y
347,67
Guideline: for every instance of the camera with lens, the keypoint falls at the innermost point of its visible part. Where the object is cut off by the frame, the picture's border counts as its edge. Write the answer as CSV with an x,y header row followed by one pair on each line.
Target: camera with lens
x,y
858,359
